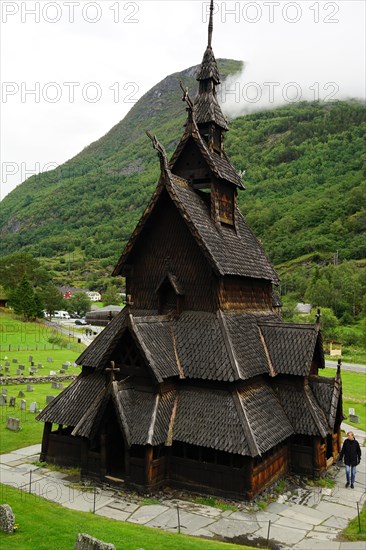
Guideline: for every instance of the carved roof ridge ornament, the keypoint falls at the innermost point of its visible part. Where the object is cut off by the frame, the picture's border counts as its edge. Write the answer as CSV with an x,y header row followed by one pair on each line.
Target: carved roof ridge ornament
x,y
210,25
188,100
161,152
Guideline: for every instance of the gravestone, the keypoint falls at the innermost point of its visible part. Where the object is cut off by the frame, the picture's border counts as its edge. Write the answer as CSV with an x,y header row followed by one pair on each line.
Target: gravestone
x,y
354,418
13,424
62,371
7,519
30,358
4,391
19,372
49,360
22,367
60,386
34,369
49,398
65,366
23,405
21,394
7,364
31,373
33,407
7,369
2,400
30,387
15,360
54,385
52,372
68,363
40,366
86,542
12,401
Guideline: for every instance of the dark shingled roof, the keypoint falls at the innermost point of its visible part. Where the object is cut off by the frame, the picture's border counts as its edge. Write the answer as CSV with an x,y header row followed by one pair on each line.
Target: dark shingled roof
x,y
71,405
209,418
98,353
327,392
290,347
302,410
230,252
209,69
207,109
267,418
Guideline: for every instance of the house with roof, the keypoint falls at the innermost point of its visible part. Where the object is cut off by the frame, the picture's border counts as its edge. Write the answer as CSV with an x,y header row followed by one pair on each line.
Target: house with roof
x,y
197,382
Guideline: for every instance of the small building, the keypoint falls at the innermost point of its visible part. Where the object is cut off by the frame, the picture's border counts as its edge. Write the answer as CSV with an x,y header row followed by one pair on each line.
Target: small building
x,y
197,382
333,348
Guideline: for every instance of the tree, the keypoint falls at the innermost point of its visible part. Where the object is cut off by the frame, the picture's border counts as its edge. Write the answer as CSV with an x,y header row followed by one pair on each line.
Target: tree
x,y
111,296
52,299
18,265
79,303
25,301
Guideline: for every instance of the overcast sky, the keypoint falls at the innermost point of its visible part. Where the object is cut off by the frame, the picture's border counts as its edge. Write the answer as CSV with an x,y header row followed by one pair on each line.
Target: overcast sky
x,y
70,70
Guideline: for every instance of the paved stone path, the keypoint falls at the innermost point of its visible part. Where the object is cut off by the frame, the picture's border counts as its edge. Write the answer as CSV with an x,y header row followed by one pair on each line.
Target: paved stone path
x,y
312,519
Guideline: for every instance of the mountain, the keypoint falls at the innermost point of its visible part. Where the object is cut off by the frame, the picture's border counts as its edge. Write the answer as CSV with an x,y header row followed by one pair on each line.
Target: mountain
x,y
305,183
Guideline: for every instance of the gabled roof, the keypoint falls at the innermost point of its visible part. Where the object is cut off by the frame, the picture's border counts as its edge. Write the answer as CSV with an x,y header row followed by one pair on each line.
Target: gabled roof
x,y
291,347
302,409
228,251
207,109
220,165
327,392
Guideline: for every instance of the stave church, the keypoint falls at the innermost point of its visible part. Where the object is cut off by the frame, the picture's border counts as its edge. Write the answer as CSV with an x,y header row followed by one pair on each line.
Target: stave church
x,y
197,383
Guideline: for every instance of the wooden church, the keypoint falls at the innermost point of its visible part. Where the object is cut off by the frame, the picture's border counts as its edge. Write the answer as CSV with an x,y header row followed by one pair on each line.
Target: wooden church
x,y
197,383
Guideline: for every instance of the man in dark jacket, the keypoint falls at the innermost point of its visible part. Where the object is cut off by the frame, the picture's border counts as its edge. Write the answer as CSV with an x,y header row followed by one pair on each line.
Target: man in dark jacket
x,y
352,455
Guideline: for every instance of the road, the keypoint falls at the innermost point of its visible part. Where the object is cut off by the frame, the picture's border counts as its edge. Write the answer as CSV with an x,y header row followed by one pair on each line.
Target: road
x,y
346,366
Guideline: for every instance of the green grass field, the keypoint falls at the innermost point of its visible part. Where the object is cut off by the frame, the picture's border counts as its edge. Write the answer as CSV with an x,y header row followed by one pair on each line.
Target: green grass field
x,y
43,525
354,394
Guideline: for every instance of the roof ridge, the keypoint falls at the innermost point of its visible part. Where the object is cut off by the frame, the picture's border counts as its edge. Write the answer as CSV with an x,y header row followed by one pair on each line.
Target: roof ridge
x,y
245,424
309,399
228,343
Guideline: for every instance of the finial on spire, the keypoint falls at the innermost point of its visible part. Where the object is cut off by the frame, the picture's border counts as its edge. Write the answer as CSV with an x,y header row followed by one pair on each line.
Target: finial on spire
x,y
210,25
187,99
318,315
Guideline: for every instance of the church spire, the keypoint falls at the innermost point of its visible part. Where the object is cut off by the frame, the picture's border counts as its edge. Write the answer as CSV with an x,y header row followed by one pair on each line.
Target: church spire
x,y
210,25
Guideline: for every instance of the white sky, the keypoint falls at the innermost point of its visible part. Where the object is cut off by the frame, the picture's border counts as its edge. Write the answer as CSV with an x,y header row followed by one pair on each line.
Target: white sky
x,y
119,49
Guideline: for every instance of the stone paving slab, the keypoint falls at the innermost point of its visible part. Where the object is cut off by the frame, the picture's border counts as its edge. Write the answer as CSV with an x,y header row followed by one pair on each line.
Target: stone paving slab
x,y
336,510
359,545
265,517
189,522
9,458
311,544
306,515
124,506
147,513
316,535
29,451
84,501
336,522
232,528
285,535
292,522
112,513
203,533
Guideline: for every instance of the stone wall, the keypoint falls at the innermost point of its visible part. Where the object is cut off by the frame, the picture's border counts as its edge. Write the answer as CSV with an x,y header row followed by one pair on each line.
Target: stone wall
x,y
36,379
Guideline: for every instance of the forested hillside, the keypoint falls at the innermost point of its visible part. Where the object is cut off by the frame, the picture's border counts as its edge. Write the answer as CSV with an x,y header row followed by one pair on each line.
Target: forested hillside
x,y
305,184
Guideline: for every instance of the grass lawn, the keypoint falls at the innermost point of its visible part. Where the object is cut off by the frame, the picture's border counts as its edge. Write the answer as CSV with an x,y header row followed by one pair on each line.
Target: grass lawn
x,y
44,525
352,531
32,430
354,394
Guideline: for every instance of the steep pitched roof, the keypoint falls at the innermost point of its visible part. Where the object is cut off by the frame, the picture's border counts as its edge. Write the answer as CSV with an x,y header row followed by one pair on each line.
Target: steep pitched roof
x,y
327,392
229,252
291,347
302,409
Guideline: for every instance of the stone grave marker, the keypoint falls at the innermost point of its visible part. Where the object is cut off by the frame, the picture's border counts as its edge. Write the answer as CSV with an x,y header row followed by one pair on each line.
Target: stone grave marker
x,y
21,393
7,519
40,366
354,418
49,360
7,364
31,373
30,358
62,371
22,367
13,424
54,385
68,363
12,401
7,369
15,360
33,407
65,366
4,391
2,400
23,405
19,372
60,386
52,372
49,398
34,369
30,387
86,542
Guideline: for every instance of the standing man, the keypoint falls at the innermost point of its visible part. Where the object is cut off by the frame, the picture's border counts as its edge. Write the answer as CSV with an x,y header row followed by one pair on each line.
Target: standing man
x,y
352,455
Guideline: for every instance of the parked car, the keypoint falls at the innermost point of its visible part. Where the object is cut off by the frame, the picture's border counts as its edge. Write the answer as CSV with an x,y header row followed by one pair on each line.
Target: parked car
x,y
80,322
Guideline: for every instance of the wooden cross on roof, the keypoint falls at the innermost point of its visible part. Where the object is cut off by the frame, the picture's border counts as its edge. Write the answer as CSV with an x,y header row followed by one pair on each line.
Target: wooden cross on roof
x,y
112,370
